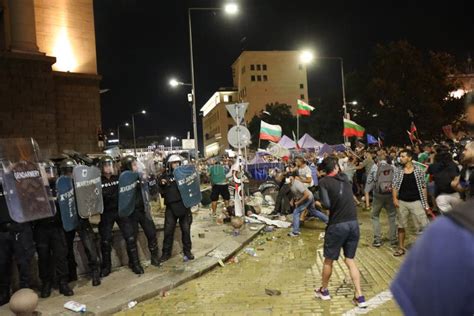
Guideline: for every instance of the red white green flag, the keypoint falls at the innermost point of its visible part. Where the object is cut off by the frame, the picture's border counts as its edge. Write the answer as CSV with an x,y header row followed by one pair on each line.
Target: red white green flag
x,y
304,108
351,128
270,132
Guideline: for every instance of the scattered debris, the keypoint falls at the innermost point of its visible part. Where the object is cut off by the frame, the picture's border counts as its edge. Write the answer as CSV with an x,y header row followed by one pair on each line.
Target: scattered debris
x,y
233,260
75,307
268,229
253,228
132,304
261,219
260,249
201,235
221,263
272,292
163,293
251,252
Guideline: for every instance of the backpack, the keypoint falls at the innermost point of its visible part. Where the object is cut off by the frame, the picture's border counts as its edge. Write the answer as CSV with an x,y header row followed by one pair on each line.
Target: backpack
x,y
383,180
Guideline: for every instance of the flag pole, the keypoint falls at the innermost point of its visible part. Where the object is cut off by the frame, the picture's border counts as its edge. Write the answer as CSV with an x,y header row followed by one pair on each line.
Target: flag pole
x,y
297,126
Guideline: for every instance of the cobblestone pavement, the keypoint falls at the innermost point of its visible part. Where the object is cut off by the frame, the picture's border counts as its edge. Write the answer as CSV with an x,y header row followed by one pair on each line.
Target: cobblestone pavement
x,y
292,266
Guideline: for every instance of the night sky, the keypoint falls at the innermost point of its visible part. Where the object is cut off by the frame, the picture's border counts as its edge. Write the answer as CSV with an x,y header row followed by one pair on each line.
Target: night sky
x,y
141,44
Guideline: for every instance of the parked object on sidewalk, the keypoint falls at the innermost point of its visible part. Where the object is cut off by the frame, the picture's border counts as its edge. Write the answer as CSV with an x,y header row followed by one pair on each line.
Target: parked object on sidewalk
x,y
23,302
75,306
272,292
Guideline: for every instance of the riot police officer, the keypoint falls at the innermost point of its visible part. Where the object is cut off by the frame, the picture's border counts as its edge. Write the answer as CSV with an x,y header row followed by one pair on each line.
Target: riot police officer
x,y
175,210
110,190
51,245
16,241
86,234
140,215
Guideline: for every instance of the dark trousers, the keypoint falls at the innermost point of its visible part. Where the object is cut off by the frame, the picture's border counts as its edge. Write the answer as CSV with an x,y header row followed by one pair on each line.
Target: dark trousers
x,y
52,252
282,203
86,234
148,226
185,222
107,221
16,244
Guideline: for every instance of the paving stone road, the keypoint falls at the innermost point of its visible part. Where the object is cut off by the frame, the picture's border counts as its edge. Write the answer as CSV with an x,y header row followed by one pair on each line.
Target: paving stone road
x,y
292,266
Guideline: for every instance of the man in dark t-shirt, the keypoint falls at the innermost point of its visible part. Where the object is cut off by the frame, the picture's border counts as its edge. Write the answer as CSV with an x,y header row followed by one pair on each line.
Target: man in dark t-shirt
x,y
342,231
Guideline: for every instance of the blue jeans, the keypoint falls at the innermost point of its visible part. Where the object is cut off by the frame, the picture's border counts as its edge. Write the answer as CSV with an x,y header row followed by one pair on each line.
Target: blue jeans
x,y
309,204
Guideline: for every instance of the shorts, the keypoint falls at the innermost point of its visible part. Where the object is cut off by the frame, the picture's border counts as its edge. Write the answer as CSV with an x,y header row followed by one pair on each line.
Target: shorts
x,y
341,235
417,212
220,189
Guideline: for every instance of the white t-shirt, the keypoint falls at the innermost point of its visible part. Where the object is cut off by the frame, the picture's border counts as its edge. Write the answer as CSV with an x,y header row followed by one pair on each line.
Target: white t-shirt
x,y
305,172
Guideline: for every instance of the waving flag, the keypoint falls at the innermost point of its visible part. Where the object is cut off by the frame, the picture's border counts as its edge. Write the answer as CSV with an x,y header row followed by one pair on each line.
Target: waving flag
x,y
351,128
270,132
371,140
304,108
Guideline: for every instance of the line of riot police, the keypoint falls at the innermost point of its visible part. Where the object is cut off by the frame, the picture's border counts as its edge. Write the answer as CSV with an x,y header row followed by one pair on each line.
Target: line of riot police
x,y
78,193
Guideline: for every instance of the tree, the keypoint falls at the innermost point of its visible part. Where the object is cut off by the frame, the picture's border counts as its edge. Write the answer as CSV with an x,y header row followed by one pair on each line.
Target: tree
x,y
403,84
280,114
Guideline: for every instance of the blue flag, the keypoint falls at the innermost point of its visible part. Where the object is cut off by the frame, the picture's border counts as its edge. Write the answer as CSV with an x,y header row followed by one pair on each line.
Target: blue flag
x,y
371,140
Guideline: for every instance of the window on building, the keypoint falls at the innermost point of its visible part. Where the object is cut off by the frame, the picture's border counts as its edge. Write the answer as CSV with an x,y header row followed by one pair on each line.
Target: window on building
x,y
301,86
259,67
302,97
259,78
226,98
243,69
252,67
264,67
252,78
265,78
230,98
300,67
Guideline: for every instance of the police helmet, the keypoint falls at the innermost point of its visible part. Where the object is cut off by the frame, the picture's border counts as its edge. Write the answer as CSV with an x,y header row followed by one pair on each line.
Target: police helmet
x,y
127,162
67,165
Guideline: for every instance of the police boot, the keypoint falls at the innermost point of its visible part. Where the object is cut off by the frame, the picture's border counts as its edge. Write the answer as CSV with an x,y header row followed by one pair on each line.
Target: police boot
x,y
164,257
4,295
106,264
64,289
95,277
72,272
134,261
45,289
154,258
188,255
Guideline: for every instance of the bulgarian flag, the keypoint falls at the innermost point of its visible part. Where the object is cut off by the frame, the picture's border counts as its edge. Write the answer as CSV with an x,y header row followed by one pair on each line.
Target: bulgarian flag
x,y
270,132
304,108
351,128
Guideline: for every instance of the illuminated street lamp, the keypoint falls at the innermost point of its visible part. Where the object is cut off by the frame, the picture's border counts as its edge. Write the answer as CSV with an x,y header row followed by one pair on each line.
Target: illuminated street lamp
x,y
133,127
171,141
118,131
306,56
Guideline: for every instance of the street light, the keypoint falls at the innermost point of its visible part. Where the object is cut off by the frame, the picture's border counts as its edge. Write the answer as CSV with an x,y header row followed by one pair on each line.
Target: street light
x,y
231,9
111,133
171,141
306,56
118,131
133,127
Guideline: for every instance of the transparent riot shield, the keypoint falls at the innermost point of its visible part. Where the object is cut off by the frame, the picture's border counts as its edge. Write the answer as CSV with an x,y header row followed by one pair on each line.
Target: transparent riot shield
x,y
24,182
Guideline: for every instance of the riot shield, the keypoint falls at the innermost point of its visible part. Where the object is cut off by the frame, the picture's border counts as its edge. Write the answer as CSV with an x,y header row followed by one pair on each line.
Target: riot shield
x,y
25,184
128,181
67,203
88,190
145,193
188,182
153,187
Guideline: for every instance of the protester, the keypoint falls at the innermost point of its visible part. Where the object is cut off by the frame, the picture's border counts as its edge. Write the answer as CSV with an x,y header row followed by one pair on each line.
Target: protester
x,y
342,230
303,198
409,197
220,186
379,181
304,172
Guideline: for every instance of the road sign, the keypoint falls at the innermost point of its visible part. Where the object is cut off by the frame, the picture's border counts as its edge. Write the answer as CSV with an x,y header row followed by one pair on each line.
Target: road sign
x,y
237,111
239,137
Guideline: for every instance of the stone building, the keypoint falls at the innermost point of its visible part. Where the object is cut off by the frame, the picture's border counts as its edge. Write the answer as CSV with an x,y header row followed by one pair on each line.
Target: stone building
x,y
49,86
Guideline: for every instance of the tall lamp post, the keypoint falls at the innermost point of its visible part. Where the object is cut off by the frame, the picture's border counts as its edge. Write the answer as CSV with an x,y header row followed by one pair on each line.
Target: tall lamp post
x,y
171,141
133,127
230,8
118,131
307,57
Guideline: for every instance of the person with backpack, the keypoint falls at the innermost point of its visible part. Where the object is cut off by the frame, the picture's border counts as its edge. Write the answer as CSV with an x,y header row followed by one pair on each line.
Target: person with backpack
x,y
379,180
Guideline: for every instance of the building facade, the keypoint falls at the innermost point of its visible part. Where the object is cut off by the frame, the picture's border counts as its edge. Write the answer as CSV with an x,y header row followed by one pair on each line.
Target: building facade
x,y
49,86
217,122
266,77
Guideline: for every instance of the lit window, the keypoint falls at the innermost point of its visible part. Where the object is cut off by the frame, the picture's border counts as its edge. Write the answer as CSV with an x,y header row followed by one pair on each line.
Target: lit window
x,y
226,98
252,78
265,78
